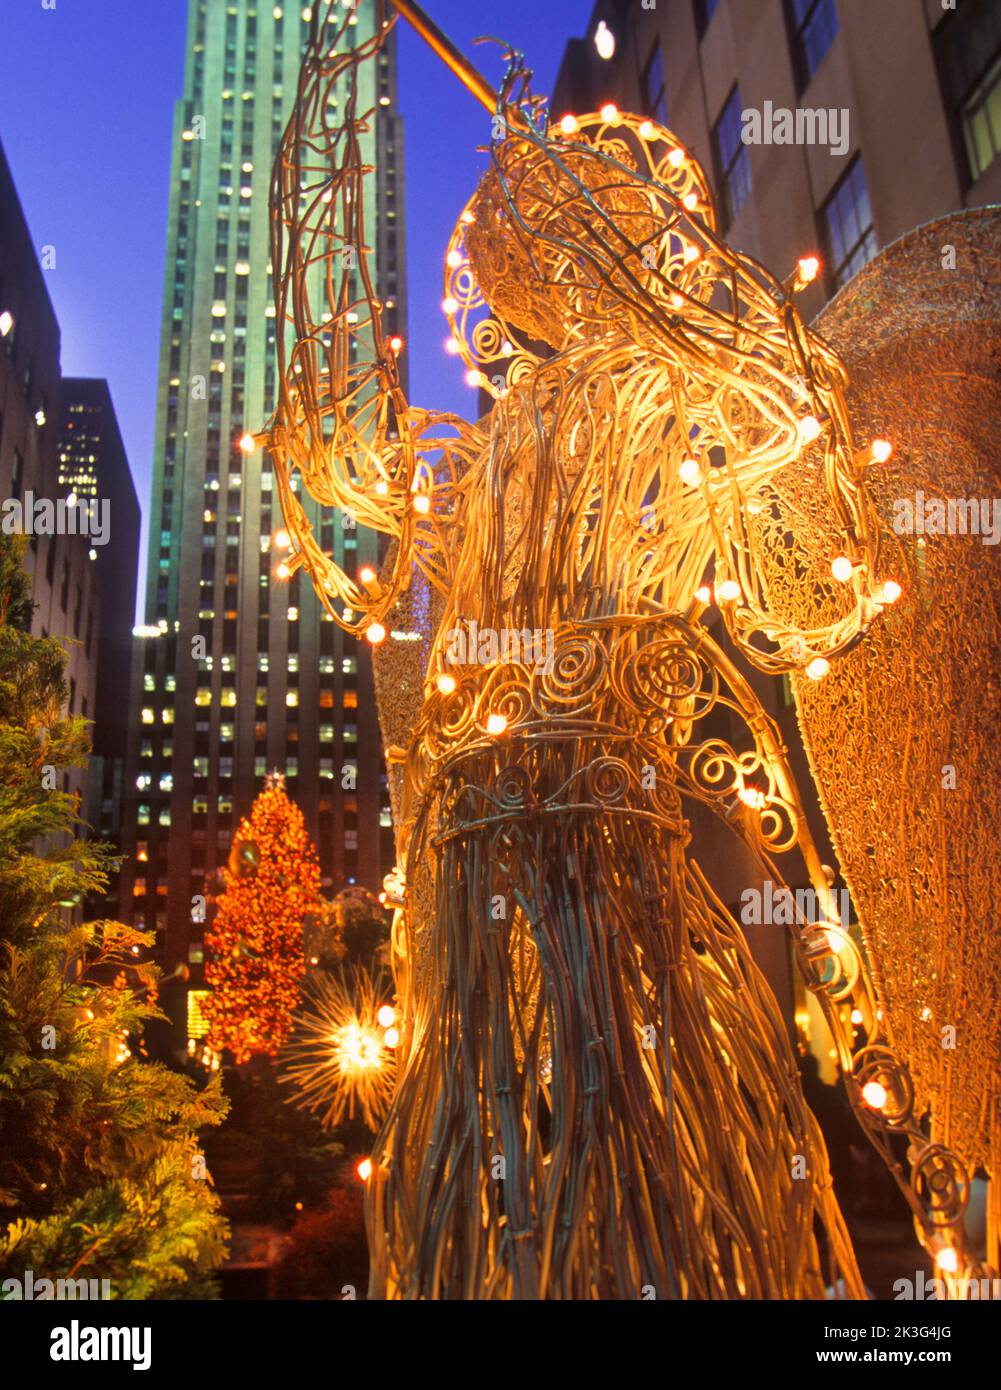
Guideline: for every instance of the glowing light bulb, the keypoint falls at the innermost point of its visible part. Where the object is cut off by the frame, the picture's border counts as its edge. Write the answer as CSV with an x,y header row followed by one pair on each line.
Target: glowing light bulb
x,y
422,504
366,574
6,323
496,724
646,131
856,1016
604,41
375,633
807,267
568,125
676,157
282,570
386,1016
690,201
381,487
392,1038
881,449
473,378
690,473
874,1094
364,1169
842,568
445,683
248,443
449,305
610,112
818,668
947,1260
692,253
283,540
453,259
728,590
809,429
752,797
891,591
703,594
452,347
467,218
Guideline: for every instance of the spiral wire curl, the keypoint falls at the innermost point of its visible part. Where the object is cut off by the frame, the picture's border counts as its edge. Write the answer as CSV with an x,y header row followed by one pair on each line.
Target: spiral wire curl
x,y
596,1094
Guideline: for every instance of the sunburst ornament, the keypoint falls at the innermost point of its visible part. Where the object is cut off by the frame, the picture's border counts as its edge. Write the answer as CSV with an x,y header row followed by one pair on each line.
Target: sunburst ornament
x,y
342,1058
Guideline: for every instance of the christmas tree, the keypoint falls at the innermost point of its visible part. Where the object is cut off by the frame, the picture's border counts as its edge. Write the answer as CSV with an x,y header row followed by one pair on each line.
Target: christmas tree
x,y
255,960
101,1176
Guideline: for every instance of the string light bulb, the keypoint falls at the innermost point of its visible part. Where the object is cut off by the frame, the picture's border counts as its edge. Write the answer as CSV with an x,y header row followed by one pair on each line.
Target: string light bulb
x,y
809,429
496,724
842,568
375,633
604,41
445,683
248,443
874,1094
690,473
818,668
807,268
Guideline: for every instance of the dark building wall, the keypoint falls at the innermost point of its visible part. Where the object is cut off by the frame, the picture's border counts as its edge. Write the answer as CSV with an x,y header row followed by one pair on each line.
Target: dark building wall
x,y
91,445
64,578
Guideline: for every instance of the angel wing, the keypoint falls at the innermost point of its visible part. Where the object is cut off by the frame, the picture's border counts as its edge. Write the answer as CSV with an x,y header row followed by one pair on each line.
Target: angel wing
x,y
902,734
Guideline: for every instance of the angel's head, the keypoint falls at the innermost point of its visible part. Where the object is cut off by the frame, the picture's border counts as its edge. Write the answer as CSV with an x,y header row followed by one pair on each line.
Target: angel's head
x,y
569,228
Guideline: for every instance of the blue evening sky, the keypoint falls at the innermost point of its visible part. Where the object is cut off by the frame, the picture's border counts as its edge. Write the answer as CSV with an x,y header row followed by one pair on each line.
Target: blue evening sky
x,y
85,118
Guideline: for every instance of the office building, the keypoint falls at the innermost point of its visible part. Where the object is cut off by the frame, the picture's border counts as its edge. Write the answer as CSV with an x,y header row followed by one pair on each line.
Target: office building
x,y
238,672
62,565
93,466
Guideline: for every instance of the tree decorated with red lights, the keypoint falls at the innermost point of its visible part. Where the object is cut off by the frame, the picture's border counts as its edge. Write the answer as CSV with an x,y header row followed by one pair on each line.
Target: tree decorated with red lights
x,y
255,960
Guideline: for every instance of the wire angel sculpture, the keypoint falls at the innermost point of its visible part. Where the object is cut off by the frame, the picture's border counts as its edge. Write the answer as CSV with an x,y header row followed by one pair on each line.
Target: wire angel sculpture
x,y
597,1096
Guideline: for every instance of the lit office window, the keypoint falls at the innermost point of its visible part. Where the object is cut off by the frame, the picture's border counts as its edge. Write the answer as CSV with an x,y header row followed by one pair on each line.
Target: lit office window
x,y
654,89
814,27
968,45
847,221
733,163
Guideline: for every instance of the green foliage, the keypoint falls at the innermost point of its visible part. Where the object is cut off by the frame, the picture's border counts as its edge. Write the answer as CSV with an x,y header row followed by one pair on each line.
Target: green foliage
x,y
101,1175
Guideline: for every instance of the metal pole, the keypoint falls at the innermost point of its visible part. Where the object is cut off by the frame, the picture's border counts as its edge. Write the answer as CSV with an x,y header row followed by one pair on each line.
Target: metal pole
x,y
448,53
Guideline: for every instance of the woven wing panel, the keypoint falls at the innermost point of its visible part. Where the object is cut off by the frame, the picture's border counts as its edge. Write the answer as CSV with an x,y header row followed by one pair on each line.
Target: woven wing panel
x,y
903,732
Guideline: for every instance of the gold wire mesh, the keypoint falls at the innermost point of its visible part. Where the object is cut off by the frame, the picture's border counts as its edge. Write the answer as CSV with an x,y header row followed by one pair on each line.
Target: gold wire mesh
x,y
597,1096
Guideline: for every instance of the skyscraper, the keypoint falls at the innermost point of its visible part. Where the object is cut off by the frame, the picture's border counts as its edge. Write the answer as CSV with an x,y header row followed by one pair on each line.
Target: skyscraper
x,y
236,671
59,559
93,464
